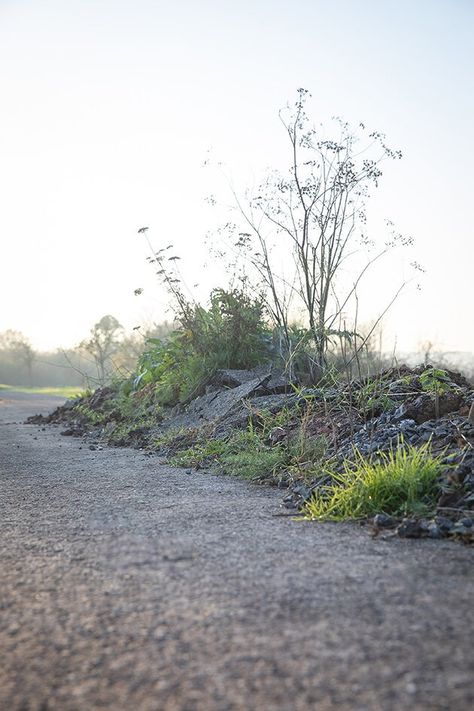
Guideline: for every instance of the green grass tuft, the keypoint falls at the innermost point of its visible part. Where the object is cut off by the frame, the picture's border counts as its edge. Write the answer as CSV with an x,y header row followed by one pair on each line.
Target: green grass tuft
x,y
256,464
399,483
243,454
200,454
251,454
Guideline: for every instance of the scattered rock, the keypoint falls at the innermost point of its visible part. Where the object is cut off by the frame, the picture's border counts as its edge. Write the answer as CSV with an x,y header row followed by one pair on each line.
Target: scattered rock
x,y
426,407
435,531
277,435
212,407
410,528
235,378
444,524
274,382
382,520
299,495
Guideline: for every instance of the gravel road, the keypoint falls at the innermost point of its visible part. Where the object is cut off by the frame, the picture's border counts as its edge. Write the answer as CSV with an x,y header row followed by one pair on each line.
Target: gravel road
x,y
128,585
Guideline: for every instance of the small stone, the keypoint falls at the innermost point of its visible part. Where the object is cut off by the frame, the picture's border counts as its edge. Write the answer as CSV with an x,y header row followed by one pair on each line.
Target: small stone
x,y
409,528
434,531
462,532
407,425
452,458
382,520
301,490
445,524
466,522
277,435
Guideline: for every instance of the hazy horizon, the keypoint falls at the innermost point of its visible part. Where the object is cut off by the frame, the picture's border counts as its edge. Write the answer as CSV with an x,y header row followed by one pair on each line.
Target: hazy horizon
x,y
111,110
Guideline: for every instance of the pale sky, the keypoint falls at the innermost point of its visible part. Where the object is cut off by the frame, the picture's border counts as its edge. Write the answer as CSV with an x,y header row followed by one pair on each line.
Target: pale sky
x,y
109,109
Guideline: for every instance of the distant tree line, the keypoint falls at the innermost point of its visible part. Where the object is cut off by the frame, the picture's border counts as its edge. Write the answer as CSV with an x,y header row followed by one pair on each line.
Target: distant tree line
x,y
107,351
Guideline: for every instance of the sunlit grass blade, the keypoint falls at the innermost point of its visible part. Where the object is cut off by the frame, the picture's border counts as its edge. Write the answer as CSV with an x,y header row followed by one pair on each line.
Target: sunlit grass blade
x,y
403,481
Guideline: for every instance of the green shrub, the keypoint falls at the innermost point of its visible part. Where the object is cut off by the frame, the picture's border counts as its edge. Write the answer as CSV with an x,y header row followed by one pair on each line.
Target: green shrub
x,y
402,482
435,381
231,334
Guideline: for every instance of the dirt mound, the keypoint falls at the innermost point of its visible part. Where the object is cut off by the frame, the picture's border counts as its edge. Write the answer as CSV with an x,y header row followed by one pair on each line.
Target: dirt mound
x,y
399,407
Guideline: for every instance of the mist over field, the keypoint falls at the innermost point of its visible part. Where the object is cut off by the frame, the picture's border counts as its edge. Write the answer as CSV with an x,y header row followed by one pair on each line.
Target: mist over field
x,y
118,117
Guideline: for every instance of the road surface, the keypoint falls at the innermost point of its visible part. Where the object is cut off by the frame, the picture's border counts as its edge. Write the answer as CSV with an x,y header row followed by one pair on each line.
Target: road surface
x,y
129,585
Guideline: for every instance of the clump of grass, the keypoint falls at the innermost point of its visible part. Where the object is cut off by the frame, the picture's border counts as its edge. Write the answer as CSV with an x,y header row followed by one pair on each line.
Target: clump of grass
x,y
249,456
243,453
373,398
256,464
401,482
252,453
200,454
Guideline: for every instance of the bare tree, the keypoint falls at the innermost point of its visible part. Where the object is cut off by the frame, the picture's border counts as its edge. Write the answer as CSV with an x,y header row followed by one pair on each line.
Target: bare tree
x,y
103,341
317,208
426,349
21,349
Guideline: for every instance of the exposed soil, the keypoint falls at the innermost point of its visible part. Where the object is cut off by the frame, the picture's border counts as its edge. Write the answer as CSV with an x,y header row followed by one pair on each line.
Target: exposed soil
x,y
126,584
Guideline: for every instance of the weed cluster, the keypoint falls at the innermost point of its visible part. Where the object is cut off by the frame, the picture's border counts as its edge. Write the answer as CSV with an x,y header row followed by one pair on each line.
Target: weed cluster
x,y
89,415
230,334
435,381
401,482
254,453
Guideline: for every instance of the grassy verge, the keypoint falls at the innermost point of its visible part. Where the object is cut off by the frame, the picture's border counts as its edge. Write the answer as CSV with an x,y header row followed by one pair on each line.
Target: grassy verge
x,y
243,453
65,391
253,454
304,443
